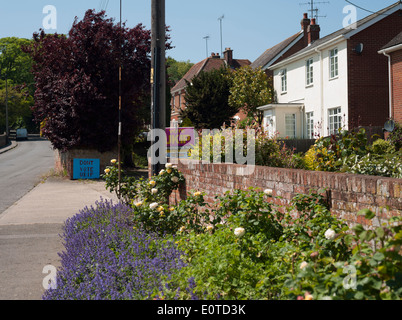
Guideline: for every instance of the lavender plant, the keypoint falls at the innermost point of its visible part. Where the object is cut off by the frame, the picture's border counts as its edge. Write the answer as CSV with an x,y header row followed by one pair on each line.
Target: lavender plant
x,y
106,257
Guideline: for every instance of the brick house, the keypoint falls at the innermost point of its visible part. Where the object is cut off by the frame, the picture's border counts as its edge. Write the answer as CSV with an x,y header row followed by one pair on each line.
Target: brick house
x,y
336,81
213,62
393,51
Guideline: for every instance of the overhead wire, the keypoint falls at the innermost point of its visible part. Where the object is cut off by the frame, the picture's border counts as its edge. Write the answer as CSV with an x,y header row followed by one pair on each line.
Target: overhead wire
x,y
367,10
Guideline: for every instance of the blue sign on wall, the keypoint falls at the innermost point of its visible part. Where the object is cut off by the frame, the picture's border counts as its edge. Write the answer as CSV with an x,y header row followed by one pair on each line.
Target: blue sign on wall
x,y
86,169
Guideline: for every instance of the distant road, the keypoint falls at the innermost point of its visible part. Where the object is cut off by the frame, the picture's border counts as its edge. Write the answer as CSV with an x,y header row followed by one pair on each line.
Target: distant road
x,y
22,168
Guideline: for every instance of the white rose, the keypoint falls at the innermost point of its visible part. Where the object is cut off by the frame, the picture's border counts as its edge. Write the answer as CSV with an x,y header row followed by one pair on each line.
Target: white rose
x,y
303,265
161,172
330,234
154,191
168,165
175,179
268,192
239,232
153,205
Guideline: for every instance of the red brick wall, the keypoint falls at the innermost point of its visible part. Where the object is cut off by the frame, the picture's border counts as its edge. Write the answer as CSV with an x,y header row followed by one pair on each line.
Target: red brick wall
x,y
396,67
368,73
348,193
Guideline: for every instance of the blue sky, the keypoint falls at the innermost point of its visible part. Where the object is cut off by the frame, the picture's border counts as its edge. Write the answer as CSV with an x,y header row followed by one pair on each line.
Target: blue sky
x,y
249,27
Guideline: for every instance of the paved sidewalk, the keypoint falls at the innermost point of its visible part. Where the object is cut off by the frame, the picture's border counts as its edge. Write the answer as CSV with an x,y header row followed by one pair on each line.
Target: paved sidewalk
x,y
30,229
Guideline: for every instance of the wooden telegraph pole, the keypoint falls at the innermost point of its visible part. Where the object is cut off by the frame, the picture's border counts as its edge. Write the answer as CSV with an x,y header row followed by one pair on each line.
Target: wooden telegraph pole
x,y
158,73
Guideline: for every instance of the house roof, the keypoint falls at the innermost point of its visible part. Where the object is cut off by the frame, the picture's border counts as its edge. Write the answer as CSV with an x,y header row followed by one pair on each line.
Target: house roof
x,y
394,42
208,64
345,32
271,53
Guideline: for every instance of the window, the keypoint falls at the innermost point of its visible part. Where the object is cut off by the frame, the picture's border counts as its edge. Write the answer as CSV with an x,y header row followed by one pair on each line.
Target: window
x,y
290,121
309,72
284,80
333,63
310,125
335,120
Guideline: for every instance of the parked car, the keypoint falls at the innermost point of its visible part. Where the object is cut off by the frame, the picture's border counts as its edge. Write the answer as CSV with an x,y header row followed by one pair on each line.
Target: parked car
x,y
22,134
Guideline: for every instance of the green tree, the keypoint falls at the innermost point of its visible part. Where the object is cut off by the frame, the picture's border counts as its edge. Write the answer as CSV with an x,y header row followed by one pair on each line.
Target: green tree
x,y
177,69
15,68
19,107
207,97
14,62
251,89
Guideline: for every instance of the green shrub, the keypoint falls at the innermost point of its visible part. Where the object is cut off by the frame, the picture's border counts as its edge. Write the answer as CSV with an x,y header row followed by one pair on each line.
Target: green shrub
x,y
386,165
327,153
381,146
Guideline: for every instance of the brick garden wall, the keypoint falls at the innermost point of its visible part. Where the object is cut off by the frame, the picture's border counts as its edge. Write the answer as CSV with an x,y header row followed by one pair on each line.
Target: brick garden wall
x,y
347,193
64,160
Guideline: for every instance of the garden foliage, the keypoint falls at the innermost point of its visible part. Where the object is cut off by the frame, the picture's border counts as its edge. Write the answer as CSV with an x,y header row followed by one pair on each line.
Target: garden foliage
x,y
243,246
108,257
349,151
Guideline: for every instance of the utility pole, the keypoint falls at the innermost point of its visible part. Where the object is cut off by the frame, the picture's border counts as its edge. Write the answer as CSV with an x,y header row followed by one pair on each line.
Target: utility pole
x,y
158,74
119,132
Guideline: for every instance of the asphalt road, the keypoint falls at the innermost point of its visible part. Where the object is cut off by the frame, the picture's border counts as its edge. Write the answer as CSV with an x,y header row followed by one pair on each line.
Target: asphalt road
x,y
22,168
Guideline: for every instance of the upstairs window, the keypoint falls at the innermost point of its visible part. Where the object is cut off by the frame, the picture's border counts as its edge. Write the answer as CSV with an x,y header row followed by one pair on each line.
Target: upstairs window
x,y
309,72
333,63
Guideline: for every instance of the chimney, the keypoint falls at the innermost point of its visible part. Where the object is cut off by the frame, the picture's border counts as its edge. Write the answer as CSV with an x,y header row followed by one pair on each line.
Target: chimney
x,y
228,56
305,23
215,55
313,32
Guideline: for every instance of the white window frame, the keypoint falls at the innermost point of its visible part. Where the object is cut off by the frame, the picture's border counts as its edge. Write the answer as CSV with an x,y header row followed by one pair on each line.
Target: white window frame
x,y
334,120
288,134
310,125
309,72
333,63
284,80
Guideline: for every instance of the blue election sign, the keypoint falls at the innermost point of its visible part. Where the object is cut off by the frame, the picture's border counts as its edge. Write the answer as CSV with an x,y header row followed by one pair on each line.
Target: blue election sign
x,y
86,169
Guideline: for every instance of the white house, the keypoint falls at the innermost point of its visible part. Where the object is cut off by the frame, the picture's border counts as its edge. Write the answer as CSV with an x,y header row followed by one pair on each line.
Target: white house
x,y
336,81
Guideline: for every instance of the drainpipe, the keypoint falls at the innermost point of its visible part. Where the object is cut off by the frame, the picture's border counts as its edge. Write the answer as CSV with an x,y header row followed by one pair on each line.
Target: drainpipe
x,y
321,90
389,83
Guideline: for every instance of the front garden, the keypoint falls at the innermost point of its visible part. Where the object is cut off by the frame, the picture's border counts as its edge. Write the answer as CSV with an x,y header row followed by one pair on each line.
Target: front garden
x,y
241,247
346,151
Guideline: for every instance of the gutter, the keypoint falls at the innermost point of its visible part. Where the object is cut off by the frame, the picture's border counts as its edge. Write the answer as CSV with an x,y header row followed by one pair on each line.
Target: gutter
x,y
321,89
385,53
